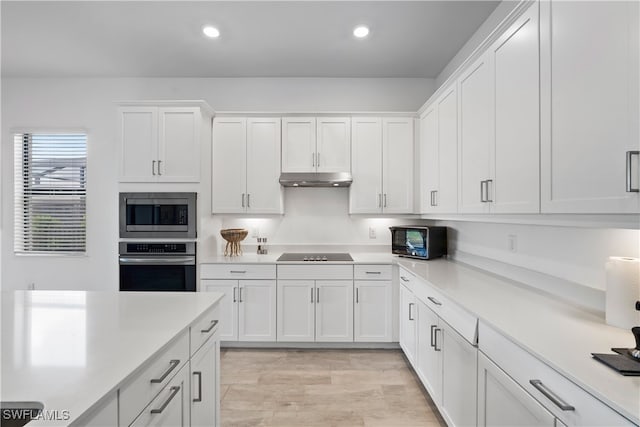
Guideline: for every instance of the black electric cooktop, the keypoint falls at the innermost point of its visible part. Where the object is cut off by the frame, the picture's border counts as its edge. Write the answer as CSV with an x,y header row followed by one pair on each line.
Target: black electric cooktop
x,y
315,257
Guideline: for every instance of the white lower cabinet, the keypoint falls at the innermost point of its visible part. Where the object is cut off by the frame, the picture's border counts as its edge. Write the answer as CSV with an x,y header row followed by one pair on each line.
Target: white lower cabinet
x,y
315,310
205,385
408,327
502,402
429,363
248,309
372,311
105,414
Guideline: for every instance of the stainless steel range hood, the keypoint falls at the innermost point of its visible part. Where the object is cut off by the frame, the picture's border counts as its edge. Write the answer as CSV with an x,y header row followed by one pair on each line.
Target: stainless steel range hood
x,y
316,179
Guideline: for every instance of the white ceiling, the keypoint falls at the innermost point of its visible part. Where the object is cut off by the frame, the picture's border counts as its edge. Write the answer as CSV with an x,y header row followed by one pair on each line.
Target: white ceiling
x,y
259,38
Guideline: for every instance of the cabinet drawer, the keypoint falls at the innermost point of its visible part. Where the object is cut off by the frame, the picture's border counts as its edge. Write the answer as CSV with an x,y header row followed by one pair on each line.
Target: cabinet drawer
x,y
316,272
372,272
136,393
408,280
237,271
523,367
204,328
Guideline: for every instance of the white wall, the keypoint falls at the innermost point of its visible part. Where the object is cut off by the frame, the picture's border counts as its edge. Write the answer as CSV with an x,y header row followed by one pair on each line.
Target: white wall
x,y
46,104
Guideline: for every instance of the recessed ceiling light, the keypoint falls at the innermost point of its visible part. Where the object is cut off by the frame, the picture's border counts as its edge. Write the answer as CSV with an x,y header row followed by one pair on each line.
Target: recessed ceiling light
x,y
211,32
361,31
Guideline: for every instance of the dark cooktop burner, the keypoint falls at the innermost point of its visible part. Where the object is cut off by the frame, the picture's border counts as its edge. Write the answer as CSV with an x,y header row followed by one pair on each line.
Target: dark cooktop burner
x,y
315,257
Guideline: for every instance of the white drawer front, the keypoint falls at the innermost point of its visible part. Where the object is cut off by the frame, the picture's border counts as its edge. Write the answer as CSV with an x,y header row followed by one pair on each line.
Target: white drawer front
x,y
523,367
206,326
237,271
316,272
408,280
372,272
140,390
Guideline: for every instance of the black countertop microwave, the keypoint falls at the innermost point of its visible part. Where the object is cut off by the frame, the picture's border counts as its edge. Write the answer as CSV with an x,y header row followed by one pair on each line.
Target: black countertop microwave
x,y
158,215
418,241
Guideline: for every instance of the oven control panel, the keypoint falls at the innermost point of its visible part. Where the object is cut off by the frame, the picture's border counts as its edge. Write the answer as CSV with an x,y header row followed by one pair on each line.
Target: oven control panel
x,y
129,248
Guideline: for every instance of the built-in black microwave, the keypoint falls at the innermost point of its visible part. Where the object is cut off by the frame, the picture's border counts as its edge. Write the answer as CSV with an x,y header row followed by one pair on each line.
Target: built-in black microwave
x,y
418,241
158,215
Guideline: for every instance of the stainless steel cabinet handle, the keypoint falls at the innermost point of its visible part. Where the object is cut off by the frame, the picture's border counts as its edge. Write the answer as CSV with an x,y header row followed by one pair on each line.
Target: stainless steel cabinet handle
x,y
159,162
318,295
482,198
234,295
373,272
379,200
243,200
213,325
489,198
313,159
174,391
551,395
357,296
312,295
237,271
432,340
153,167
385,200
172,365
433,300
248,200
435,339
410,311
318,159
630,188
240,294
199,375
404,279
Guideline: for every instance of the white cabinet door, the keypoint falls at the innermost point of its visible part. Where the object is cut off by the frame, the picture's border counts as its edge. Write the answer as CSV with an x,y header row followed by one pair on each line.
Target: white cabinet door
x,y
429,162
429,357
257,310
372,311
179,144
229,165
590,114
298,144
365,193
334,310
516,148
228,306
138,135
408,328
264,193
171,407
296,310
204,386
446,198
459,376
333,144
475,136
397,166
502,402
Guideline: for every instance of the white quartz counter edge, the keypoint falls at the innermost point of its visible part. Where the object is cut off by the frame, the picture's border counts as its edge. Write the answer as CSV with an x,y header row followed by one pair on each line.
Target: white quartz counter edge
x,y
272,258
556,332
123,332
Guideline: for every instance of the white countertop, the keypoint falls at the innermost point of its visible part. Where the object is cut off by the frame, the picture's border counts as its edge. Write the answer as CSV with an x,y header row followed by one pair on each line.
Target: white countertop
x,y
272,258
556,332
68,349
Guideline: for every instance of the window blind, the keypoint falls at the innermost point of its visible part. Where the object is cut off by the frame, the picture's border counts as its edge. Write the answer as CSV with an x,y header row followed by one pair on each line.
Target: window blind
x,y
50,193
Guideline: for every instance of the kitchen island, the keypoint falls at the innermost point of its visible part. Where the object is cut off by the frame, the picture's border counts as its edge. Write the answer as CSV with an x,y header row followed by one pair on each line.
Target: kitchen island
x,y
86,356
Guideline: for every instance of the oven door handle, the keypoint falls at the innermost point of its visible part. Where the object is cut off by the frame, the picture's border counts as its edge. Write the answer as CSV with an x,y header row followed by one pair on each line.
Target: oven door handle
x,y
173,260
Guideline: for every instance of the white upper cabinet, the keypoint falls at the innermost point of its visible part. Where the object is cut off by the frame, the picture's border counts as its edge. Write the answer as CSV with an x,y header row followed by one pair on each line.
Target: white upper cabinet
x,y
382,158
590,106
475,137
439,155
316,145
161,143
333,144
246,165
514,185
365,194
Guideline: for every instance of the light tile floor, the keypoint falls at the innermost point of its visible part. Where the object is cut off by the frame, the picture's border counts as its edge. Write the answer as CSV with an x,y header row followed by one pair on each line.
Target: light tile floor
x,y
322,388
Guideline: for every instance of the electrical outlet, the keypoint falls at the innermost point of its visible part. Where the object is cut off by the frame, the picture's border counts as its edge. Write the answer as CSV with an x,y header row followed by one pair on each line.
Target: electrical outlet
x,y
372,232
255,232
32,286
512,243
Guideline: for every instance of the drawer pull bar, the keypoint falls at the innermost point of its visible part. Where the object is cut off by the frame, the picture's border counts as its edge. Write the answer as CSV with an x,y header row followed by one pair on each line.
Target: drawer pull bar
x,y
237,271
433,300
435,339
174,391
213,325
373,272
551,395
199,375
404,279
172,365
432,340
